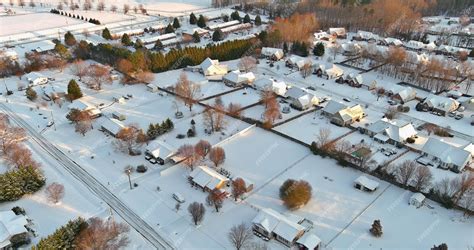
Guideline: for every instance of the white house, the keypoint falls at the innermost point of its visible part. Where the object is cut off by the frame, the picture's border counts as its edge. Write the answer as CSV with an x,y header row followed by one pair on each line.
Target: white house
x,y
279,88
394,132
366,36
441,104
401,94
334,72
11,225
297,62
272,224
392,41
237,78
415,45
300,99
467,103
82,105
211,67
273,53
322,35
444,155
365,184
417,200
339,32
35,78
160,150
224,25
112,126
309,241
207,179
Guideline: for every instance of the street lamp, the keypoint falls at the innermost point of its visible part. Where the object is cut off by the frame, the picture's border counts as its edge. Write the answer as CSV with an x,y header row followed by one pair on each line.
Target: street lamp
x,y
128,172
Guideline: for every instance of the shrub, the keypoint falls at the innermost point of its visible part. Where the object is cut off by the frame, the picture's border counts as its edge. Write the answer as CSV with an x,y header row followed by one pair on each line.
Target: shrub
x,y
64,237
410,140
31,94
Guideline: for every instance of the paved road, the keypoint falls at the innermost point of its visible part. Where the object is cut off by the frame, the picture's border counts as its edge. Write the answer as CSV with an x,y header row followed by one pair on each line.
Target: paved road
x,y
371,106
155,238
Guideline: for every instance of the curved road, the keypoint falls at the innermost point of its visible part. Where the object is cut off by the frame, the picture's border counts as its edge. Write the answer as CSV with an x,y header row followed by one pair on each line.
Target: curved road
x,y
151,235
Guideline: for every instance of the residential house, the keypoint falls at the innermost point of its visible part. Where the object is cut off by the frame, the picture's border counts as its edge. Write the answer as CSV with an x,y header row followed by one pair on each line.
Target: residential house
x,y
82,105
417,200
365,184
237,78
366,36
334,72
111,126
160,151
272,53
224,25
279,88
414,45
272,224
11,227
51,92
342,115
338,32
440,104
44,46
35,78
152,87
297,62
401,94
389,41
441,154
212,69
300,99
119,116
189,32
395,132
322,35
351,49
467,103
359,156
207,179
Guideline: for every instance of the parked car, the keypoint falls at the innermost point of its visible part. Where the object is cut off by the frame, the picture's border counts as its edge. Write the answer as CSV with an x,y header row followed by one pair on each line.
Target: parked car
x,y
141,168
178,197
148,157
286,110
392,102
312,88
153,161
452,114
459,116
346,100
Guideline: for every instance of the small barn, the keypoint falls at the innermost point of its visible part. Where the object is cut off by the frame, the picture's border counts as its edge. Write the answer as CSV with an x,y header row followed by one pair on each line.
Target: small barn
x,y
417,200
111,126
365,184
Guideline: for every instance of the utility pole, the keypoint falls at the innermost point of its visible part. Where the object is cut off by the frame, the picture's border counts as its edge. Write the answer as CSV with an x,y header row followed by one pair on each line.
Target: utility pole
x,y
52,119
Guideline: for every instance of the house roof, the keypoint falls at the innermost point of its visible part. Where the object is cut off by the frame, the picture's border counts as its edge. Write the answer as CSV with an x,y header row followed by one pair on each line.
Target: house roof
x,y
337,31
207,177
295,92
267,51
441,102
279,88
310,241
306,99
348,114
277,223
33,75
405,93
208,64
446,152
112,125
334,71
366,182
238,77
158,148
10,225
397,130
333,107
80,105
419,197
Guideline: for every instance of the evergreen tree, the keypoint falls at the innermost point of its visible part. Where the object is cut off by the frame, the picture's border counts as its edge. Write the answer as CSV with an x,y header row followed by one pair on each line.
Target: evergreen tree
x,y
73,90
169,29
196,37
285,47
247,18
225,18
218,35
16,183
318,50
126,40
201,22
376,229
138,44
176,24
235,16
192,19
159,45
69,39
106,34
471,54
258,20
169,124
64,237
61,50
31,94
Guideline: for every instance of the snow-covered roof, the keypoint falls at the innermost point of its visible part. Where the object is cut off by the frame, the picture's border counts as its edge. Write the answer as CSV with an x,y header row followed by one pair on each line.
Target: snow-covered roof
x,y
33,76
279,88
412,44
397,130
160,149
337,31
295,92
238,77
418,197
441,102
446,152
112,125
277,223
367,183
153,39
209,65
44,46
224,25
405,93
80,105
191,31
333,107
309,240
207,177
334,71
10,225
278,53
367,35
393,41
236,27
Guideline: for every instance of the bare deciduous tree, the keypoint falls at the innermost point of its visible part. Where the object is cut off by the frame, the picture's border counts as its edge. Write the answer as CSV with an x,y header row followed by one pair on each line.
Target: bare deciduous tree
x,y
272,110
83,123
202,148
55,192
101,234
306,70
187,91
235,109
9,135
18,155
405,172
216,198
97,75
247,63
187,152
217,155
126,8
197,211
422,178
101,6
240,236
130,139
79,69
144,77
323,139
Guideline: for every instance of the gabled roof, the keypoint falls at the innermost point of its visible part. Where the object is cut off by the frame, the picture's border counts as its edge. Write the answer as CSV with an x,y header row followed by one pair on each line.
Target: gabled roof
x,y
397,130
238,77
446,152
275,222
112,125
33,75
212,65
310,241
160,149
441,102
405,93
335,71
207,177
278,53
80,105
10,225
333,107
295,92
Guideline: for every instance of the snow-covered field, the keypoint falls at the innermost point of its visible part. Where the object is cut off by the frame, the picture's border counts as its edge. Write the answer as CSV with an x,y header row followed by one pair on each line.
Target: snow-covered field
x,y
34,22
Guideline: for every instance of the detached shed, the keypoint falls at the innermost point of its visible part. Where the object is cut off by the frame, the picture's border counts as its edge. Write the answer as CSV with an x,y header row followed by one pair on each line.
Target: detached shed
x,y
417,200
112,126
365,184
